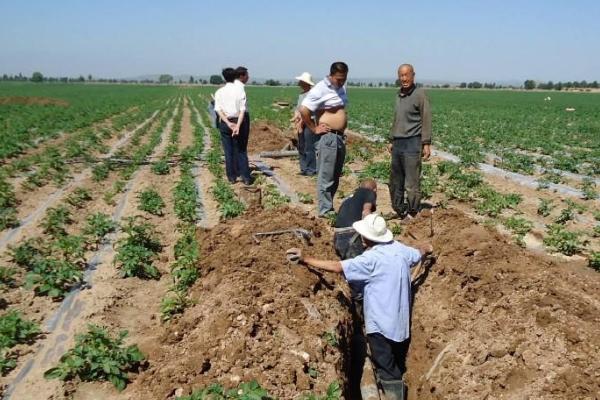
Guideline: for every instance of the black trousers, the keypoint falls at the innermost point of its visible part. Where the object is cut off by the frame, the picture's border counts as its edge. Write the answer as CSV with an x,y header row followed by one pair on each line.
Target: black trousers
x,y
236,157
406,175
388,356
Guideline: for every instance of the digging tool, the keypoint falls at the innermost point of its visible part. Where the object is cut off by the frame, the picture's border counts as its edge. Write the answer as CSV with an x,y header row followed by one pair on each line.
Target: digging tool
x,y
300,233
431,224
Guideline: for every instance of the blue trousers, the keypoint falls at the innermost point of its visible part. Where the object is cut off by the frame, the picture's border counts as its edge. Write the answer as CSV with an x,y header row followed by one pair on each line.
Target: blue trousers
x,y
307,142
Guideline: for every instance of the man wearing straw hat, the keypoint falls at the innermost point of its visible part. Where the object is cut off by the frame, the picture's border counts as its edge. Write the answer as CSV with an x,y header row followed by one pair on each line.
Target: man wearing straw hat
x,y
307,140
384,270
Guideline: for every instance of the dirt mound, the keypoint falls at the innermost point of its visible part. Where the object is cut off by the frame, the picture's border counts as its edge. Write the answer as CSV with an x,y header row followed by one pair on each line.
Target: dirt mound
x,y
33,101
266,137
255,317
494,321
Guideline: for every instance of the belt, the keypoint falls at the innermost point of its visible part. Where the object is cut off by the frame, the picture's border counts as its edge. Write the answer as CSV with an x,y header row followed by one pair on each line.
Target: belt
x,y
344,230
336,132
232,119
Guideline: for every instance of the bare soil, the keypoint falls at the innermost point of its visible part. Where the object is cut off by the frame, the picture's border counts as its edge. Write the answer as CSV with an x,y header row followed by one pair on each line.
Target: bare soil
x,y
33,101
266,137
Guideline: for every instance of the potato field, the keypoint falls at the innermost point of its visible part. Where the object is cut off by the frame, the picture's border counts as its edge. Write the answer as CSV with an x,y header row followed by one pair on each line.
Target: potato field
x,y
129,270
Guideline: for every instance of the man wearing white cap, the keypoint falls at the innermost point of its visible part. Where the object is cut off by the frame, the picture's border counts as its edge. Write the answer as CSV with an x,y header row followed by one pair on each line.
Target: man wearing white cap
x,y
307,140
384,270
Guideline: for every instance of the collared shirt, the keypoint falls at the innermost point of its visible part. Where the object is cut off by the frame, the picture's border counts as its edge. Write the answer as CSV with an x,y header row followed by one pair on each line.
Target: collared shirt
x,y
230,100
242,88
385,272
324,95
412,115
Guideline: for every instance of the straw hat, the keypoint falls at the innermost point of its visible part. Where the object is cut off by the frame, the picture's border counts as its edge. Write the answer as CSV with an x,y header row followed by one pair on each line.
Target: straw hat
x,y
306,77
373,228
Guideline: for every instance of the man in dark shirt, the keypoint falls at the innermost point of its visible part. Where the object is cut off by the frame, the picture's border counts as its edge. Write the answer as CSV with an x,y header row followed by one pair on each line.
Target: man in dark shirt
x,y
347,242
411,140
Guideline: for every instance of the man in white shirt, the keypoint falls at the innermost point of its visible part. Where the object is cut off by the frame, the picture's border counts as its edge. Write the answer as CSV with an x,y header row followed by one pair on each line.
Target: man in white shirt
x,y
328,99
230,105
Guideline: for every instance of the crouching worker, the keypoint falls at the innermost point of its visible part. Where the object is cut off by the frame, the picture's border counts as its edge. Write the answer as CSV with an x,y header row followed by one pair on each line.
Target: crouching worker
x,y
384,270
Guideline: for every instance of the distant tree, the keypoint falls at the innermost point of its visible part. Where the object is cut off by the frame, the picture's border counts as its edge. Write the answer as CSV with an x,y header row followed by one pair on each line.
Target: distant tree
x,y
37,77
216,80
558,86
89,77
529,84
397,83
370,84
254,83
474,85
463,85
81,78
4,77
272,82
165,78
594,85
191,80
446,85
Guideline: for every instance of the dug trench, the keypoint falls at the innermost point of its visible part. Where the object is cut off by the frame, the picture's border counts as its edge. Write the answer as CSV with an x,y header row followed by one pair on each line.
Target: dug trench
x,y
490,319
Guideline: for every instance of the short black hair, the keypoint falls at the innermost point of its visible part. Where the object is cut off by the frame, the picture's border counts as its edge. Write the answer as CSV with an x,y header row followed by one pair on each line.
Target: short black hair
x,y
241,71
229,74
338,66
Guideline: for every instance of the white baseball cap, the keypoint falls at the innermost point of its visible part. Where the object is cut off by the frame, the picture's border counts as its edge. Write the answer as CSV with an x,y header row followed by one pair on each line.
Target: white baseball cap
x,y
374,228
306,77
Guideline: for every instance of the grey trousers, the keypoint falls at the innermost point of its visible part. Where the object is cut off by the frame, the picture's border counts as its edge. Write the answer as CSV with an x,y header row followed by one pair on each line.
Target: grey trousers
x,y
406,175
331,153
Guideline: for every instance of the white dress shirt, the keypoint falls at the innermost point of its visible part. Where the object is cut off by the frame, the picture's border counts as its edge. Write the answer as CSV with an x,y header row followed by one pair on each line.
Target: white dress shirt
x,y
324,95
242,88
230,100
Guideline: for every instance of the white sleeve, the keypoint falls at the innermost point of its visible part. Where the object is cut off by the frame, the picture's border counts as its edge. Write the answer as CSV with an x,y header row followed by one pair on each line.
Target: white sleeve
x,y
218,105
314,99
242,101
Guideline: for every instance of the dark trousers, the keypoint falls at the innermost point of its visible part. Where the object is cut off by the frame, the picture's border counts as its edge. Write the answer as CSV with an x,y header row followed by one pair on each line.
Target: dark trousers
x,y
406,175
236,158
307,142
388,356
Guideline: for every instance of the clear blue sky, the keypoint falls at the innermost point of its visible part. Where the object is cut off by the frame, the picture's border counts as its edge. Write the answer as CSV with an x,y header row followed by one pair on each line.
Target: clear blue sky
x,y
446,40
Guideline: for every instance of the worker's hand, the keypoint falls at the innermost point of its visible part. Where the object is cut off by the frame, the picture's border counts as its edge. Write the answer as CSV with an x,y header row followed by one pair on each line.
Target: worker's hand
x,y
230,125
294,255
390,146
426,152
322,128
425,248
235,130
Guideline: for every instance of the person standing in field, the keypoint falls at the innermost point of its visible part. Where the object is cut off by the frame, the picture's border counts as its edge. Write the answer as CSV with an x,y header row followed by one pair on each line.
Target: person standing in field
x,y
241,79
307,140
410,141
384,271
230,106
328,100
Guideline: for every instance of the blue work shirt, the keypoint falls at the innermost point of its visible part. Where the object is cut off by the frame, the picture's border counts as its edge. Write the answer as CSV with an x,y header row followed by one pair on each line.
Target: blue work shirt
x,y
384,270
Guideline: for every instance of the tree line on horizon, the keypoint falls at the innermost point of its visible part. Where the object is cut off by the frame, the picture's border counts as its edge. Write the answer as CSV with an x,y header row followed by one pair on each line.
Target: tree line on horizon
x,y
215,79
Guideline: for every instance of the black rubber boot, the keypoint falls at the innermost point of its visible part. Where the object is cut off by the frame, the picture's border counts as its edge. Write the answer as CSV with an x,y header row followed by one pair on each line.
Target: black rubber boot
x,y
394,390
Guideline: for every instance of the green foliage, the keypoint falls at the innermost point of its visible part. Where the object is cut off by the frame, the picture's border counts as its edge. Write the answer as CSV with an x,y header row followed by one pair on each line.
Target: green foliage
x,y
520,227
7,275
27,253
331,338
396,229
79,197
588,188
99,225
545,207
229,205
173,304
160,167
245,391
151,202
138,249
69,247
100,172
8,203
334,392
493,203
594,261
273,198
185,198
378,170
14,329
562,240
98,356
53,277
305,198
55,220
